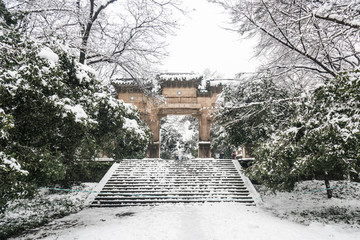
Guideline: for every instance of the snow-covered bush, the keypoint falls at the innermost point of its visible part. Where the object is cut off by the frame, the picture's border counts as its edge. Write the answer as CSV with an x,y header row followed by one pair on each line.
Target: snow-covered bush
x,y
219,141
11,172
60,112
179,137
321,141
297,136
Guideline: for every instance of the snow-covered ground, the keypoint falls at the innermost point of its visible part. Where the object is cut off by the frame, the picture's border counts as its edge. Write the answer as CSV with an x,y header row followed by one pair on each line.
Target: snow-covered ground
x,y
24,214
273,219
198,222
308,203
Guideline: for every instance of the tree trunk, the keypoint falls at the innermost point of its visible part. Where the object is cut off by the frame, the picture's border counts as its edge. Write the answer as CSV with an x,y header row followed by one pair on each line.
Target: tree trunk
x,y
84,42
327,185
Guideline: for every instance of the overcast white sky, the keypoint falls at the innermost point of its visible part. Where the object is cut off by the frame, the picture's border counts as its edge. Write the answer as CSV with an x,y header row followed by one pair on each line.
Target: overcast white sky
x,y
203,43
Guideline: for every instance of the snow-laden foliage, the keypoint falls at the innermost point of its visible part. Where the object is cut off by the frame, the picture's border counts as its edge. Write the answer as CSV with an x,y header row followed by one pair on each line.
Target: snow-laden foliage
x,y
179,137
56,113
220,141
312,135
11,171
251,110
321,140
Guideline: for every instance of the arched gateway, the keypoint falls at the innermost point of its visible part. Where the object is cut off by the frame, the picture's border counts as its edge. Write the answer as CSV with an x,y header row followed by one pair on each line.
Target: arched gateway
x,y
181,96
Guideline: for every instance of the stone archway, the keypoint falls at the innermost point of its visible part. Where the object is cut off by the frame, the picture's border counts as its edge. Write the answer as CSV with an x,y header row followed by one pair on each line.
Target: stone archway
x,y
181,96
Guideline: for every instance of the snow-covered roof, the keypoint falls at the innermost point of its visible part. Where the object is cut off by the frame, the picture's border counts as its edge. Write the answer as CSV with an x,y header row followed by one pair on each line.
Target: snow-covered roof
x,y
179,76
123,81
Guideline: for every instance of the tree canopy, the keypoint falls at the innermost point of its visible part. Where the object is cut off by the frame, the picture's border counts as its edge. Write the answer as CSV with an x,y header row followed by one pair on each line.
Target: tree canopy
x,y
117,38
304,41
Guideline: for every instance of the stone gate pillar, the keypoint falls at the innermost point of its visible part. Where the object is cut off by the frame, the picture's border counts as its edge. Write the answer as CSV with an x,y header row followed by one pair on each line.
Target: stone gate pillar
x,y
153,150
204,136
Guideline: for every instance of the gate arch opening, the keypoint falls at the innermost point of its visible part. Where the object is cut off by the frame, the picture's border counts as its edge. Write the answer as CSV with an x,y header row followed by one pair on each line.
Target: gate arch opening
x,y
179,136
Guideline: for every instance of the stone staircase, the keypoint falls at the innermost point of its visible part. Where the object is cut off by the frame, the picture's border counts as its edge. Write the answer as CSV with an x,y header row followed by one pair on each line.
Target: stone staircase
x,y
156,181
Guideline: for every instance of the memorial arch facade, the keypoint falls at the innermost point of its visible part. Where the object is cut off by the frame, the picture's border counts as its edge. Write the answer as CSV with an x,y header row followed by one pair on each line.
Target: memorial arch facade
x,y
180,96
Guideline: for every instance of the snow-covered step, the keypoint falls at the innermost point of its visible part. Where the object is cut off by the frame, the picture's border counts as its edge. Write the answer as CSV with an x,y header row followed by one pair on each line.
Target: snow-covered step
x,y
117,201
182,180
152,202
204,193
174,186
179,188
152,182
180,177
195,188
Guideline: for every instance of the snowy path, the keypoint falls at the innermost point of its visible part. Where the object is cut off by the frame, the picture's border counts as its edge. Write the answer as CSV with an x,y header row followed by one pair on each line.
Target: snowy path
x,y
222,221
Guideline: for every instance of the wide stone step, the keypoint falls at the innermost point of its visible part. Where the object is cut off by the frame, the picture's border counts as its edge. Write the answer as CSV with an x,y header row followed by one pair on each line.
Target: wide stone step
x,y
173,185
145,201
177,188
178,191
219,171
152,180
179,176
169,188
170,198
169,177
173,166
172,180
123,193
149,174
162,164
157,204
195,169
